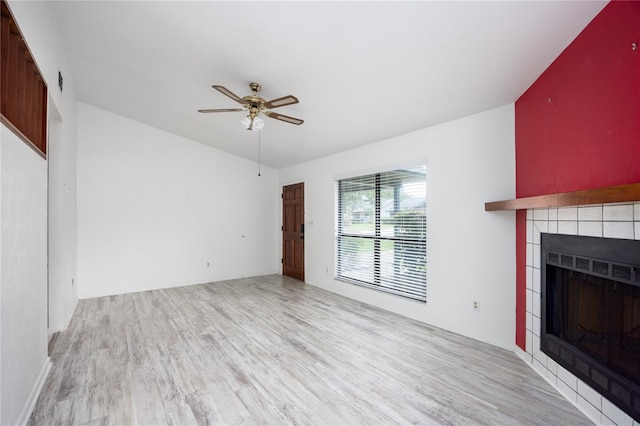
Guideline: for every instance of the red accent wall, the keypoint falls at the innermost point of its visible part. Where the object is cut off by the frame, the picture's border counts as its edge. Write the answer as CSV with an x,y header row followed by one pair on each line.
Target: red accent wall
x,y
578,126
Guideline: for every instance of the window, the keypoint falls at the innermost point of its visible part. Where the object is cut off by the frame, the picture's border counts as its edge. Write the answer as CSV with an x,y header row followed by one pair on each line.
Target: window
x,y
381,232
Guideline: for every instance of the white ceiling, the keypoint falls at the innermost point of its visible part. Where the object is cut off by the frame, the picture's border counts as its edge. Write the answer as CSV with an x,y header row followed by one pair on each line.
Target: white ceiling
x,y
363,71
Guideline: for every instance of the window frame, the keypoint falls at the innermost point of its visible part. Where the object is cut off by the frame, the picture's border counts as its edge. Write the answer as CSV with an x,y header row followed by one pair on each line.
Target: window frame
x,y
396,285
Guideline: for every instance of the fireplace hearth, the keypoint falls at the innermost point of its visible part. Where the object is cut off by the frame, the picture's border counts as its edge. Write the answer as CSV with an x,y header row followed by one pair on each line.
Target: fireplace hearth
x,y
590,319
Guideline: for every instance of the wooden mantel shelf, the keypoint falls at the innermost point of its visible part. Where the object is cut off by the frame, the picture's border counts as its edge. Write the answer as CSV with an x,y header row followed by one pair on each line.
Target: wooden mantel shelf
x,y
610,194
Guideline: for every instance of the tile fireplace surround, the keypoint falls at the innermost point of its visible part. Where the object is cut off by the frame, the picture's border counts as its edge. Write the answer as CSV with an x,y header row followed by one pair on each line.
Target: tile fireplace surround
x,y
619,220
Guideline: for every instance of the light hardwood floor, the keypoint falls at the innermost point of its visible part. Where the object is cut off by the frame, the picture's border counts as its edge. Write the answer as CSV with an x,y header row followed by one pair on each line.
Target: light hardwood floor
x,y
272,350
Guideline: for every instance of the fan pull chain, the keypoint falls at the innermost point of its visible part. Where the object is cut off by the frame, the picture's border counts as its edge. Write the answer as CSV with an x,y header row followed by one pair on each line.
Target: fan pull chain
x,y
259,160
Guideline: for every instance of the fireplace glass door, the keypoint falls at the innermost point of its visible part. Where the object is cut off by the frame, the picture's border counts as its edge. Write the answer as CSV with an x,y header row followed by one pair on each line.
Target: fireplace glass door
x,y
598,316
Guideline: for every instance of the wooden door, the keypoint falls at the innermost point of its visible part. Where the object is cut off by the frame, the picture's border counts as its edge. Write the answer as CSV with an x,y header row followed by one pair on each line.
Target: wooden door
x,y
293,231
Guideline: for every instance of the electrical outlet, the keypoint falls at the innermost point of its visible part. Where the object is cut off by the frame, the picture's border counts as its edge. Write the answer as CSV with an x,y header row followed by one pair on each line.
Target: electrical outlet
x,y
208,265
476,305
73,282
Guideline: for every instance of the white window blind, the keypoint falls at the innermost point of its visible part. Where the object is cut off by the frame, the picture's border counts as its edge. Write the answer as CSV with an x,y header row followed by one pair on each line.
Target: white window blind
x,y
381,232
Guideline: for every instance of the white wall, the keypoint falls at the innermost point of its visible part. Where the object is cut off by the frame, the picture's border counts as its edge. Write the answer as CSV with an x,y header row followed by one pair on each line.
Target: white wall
x,y
38,25
23,287
470,252
23,260
154,208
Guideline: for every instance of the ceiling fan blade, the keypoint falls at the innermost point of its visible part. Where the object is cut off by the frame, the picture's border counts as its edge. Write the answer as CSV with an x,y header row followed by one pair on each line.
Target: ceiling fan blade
x,y
281,117
228,93
285,100
221,110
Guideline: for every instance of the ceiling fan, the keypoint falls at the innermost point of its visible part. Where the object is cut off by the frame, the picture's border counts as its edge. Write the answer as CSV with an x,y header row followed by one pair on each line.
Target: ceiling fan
x,y
256,105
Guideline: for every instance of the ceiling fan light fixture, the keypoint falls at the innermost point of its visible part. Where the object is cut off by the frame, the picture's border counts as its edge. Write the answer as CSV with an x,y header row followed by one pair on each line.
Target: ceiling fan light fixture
x,y
255,125
258,124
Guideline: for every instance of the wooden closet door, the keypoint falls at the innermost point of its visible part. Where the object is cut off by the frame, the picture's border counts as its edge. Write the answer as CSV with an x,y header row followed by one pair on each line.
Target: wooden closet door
x,y
293,231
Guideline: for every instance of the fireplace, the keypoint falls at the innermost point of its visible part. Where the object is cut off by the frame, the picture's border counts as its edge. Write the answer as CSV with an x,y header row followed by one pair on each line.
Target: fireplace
x,y
590,319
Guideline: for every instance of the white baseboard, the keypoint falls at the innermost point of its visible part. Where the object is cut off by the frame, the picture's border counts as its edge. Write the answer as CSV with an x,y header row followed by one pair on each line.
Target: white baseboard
x,y
66,325
528,359
34,394
50,331
522,354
